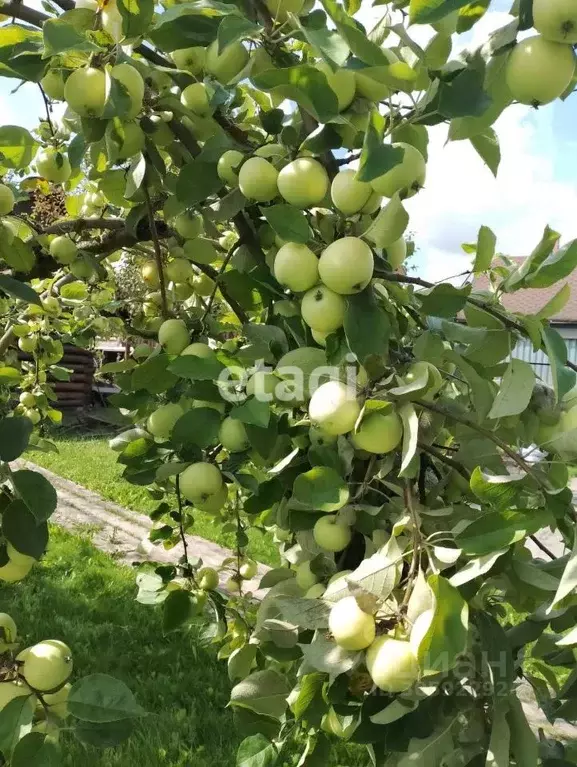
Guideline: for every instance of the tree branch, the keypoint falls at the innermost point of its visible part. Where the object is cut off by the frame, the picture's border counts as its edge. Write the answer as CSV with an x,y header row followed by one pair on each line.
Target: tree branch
x,y
77,225
225,263
445,459
157,251
21,12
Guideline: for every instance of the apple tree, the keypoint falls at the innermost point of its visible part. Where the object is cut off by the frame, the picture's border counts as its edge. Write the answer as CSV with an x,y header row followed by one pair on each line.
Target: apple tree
x,y
227,185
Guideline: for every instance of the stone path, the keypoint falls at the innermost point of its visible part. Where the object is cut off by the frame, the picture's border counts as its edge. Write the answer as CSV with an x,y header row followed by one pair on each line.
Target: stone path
x,y
124,534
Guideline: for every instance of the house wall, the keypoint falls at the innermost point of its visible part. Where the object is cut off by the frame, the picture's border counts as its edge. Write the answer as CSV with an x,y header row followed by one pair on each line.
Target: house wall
x,y
539,360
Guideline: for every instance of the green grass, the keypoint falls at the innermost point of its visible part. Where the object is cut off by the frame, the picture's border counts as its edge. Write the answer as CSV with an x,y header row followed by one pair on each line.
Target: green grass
x,y
91,463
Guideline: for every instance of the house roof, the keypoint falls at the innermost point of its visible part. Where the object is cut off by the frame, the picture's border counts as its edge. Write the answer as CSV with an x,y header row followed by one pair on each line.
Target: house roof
x,y
531,300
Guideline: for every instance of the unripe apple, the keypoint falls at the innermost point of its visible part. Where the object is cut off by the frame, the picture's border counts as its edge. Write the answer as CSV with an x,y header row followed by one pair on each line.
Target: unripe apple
x,y
27,399
149,272
225,66
28,344
132,141
234,585
57,702
85,91
539,71
228,166
248,569
46,667
392,665
379,432
161,134
349,195
188,225
323,310
82,268
8,633
199,481
351,627
195,98
51,305
342,82
173,335
257,179
279,9
161,422
320,338
396,253
334,408
433,377
203,285
321,438
305,578
63,249
303,182
15,556
556,20
262,384
11,690
200,250
132,80
372,205
11,572
406,178
296,267
330,534
368,82
179,270
6,200
53,84
53,165
190,59
213,503
346,265
316,591
207,578
232,435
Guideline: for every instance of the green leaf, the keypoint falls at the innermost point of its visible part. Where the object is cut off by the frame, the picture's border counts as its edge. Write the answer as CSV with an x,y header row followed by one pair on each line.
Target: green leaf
x,y
289,223
104,734
20,528
189,24
241,661
555,304
154,375
75,291
197,427
304,84
447,635
135,175
486,242
486,145
20,53
376,157
444,300
309,686
323,655
330,44
61,36
475,568
170,469
471,14
253,412
9,376
515,391
367,327
233,28
557,266
15,719
428,11
100,698
19,290
256,751
545,247
17,147
264,692
36,492
568,581
321,489
309,614
355,35
563,377
496,530
136,16
14,436
197,180
376,575
196,368
389,225
410,421
497,491
36,749
277,575
177,610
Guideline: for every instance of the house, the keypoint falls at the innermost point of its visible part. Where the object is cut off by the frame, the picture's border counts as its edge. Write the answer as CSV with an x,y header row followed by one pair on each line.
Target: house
x,y
531,301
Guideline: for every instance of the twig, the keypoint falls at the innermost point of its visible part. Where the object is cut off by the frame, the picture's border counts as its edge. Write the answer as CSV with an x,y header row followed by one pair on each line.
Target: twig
x,y
445,459
225,263
349,158
416,560
47,106
157,251
180,520
77,225
365,483
542,546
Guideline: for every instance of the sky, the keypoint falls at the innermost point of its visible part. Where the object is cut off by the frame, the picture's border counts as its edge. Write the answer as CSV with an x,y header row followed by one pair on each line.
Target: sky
x,y
536,184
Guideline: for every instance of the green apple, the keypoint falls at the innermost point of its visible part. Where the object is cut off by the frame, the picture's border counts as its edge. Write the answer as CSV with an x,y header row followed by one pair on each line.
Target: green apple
x,y
200,250
303,182
85,91
396,253
7,233
53,84
46,668
203,285
8,632
207,578
316,591
556,20
213,503
406,178
161,134
279,9
225,66
51,305
322,309
6,200
188,225
199,349
200,481
539,71
27,399
346,265
351,627
234,585
22,560
561,437
305,578
82,268
173,336
296,267
9,691
262,384
179,270
28,344
369,81
379,432
339,575
392,665
228,166
232,435
426,370
321,438
248,569
373,204
330,534
11,572
195,98
190,59
257,179
161,422
53,165
320,337
349,195
342,82
132,140
63,249
32,415
334,407
132,80
57,702
149,272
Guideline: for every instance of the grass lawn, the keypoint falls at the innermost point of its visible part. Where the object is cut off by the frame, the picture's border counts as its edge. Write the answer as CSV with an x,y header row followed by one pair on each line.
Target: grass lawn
x,y
79,595
91,463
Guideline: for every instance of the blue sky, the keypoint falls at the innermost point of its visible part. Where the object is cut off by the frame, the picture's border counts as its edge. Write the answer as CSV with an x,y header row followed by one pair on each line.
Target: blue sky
x,y
536,184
